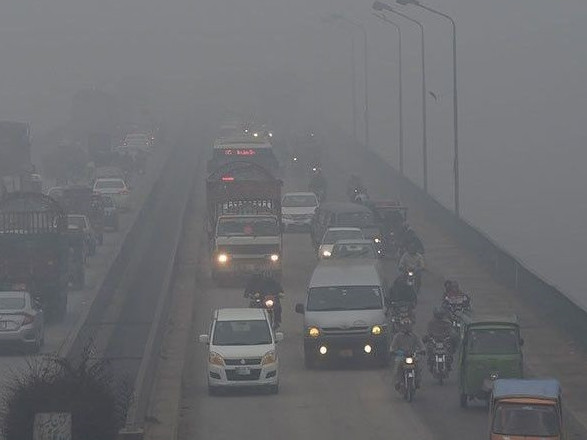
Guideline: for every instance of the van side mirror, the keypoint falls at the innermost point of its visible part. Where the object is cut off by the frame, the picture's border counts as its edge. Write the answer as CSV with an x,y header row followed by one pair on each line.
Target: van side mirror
x,y
278,336
204,339
300,308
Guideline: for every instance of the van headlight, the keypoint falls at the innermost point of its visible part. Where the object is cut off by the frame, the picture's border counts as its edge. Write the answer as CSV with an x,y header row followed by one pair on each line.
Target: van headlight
x,y
269,358
222,258
376,330
274,257
377,240
409,360
215,359
313,332
326,254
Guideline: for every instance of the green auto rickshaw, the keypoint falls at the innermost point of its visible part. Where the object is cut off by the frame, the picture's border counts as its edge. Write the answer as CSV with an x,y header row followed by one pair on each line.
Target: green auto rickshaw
x,y
491,348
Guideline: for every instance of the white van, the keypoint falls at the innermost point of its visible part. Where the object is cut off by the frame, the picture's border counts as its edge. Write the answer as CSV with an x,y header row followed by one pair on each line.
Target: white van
x,y
344,313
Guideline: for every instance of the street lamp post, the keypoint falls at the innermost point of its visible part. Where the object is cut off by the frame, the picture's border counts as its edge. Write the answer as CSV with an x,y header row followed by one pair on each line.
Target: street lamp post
x,y
379,6
455,97
361,27
400,92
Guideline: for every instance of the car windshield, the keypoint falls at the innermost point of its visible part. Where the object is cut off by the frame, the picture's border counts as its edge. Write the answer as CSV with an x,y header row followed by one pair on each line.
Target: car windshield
x,y
107,184
332,237
351,250
12,303
526,420
253,332
299,201
356,219
244,226
76,222
322,299
492,341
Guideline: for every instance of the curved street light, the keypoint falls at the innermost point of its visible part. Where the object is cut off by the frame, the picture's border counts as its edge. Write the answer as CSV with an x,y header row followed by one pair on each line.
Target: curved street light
x,y
455,100
380,6
361,27
382,17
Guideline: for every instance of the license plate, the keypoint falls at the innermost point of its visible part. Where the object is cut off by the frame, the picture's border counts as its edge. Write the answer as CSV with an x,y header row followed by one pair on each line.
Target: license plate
x,y
250,267
410,374
346,353
243,371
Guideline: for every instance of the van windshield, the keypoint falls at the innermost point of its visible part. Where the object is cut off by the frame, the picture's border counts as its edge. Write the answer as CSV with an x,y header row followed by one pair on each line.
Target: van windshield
x,y
492,341
323,299
356,219
253,332
526,420
332,236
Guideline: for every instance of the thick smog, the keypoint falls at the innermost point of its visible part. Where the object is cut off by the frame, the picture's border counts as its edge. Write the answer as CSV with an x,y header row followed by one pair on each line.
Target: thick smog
x,y
271,219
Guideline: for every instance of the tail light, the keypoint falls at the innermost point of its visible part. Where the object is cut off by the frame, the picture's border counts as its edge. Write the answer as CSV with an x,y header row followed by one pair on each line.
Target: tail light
x,y
28,319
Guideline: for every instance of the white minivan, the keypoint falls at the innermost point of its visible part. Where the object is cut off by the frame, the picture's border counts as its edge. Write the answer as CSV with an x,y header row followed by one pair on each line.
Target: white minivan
x,y
242,350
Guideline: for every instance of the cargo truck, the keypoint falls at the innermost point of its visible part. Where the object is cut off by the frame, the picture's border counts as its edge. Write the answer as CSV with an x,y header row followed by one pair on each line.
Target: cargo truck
x,y
244,221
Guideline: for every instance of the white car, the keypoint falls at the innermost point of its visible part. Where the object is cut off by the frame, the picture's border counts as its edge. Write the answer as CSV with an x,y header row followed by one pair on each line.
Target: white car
x,y
133,143
242,350
115,188
332,235
297,209
21,320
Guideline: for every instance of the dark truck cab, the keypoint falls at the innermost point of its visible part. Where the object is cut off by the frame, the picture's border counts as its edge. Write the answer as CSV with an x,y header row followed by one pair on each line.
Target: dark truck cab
x,y
34,248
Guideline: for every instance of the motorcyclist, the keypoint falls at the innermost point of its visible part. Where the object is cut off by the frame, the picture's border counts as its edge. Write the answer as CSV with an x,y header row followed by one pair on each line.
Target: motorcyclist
x,y
402,292
454,298
354,187
410,239
440,330
406,343
412,260
265,285
318,183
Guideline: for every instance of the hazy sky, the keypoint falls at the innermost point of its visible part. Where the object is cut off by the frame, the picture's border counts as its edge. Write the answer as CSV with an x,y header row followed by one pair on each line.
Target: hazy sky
x,y
522,65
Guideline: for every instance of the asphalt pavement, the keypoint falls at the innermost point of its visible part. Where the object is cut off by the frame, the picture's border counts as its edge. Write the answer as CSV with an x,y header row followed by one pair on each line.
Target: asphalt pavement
x,y
345,401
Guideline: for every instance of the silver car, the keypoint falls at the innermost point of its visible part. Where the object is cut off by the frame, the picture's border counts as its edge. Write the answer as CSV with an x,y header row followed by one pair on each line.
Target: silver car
x,y
21,320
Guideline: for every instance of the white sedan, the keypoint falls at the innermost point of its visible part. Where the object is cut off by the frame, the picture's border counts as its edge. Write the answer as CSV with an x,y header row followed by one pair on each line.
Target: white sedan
x,y
117,189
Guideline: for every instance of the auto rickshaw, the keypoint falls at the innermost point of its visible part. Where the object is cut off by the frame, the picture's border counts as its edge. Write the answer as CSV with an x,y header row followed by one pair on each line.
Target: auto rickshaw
x,y
526,408
491,348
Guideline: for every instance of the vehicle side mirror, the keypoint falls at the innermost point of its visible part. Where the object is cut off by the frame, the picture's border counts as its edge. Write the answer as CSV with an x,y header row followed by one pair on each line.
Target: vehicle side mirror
x,y
278,336
521,342
204,339
300,308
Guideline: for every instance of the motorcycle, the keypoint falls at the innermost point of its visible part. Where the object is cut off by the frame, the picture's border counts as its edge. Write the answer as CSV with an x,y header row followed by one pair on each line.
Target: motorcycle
x,y
400,312
267,302
410,375
455,310
439,359
413,278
